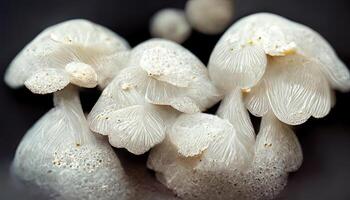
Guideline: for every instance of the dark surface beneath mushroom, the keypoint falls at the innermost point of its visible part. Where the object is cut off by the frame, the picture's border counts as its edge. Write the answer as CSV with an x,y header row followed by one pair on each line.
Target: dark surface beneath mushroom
x,y
326,142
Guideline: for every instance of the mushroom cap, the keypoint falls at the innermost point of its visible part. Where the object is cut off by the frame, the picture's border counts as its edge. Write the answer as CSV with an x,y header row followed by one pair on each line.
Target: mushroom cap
x,y
294,89
130,122
168,74
61,156
74,42
239,58
210,16
170,24
177,173
212,141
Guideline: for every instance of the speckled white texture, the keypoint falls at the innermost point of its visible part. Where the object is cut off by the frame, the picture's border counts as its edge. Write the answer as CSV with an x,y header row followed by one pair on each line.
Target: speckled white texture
x,y
74,41
61,156
277,152
170,24
169,74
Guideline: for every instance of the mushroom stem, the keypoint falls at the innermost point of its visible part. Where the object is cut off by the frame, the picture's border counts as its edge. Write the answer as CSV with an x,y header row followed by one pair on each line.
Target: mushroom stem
x,y
69,101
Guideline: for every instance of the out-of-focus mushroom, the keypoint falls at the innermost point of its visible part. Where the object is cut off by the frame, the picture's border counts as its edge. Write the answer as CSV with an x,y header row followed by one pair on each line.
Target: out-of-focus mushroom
x,y
170,24
61,156
76,51
210,16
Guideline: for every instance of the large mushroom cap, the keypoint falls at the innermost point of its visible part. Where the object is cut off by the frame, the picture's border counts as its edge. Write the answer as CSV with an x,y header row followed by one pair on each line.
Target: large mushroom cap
x,y
170,24
79,51
240,57
168,74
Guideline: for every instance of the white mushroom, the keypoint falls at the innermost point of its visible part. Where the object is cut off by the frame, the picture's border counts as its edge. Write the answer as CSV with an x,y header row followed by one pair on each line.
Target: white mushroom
x,y
170,24
168,74
61,156
282,66
130,122
210,16
76,51
293,88
181,161
203,157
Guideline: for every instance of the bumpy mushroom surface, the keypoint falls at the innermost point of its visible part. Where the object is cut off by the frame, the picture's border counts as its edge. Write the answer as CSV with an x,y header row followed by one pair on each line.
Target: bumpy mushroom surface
x,y
168,74
170,24
61,156
161,80
201,156
282,66
277,152
210,16
181,161
76,51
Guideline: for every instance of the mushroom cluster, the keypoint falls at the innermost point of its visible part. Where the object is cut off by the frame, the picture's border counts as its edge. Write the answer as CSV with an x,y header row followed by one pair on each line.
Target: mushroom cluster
x,y
206,16
153,98
277,69
161,80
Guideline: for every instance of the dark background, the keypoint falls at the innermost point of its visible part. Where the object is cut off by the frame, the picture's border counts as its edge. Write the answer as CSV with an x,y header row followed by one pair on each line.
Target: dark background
x,y
325,173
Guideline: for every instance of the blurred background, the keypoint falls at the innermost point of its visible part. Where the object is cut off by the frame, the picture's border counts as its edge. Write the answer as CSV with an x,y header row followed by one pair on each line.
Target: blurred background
x,y
325,173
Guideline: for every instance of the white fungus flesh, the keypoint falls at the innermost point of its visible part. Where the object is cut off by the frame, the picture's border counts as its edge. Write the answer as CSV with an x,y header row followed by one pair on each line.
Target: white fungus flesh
x,y
182,165
61,156
170,24
203,157
293,88
240,51
123,114
277,146
277,152
281,65
168,74
85,53
210,16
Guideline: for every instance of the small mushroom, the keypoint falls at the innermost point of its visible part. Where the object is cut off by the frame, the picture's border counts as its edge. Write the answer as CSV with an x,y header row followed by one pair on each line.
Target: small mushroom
x,y
170,24
168,74
203,157
61,156
210,16
130,122
76,51
280,65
